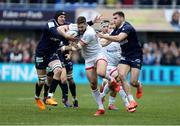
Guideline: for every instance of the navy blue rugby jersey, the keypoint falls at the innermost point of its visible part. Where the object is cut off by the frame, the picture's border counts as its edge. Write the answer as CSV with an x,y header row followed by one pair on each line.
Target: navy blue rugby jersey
x,y
50,39
130,46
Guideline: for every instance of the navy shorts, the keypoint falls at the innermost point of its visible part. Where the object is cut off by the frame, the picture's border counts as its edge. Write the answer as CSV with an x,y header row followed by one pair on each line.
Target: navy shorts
x,y
42,61
69,66
133,62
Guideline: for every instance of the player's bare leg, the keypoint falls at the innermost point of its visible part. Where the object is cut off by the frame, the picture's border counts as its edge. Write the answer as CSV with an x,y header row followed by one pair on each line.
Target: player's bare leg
x,y
72,87
111,105
125,100
101,65
46,88
56,67
135,83
123,70
104,82
38,87
92,77
64,88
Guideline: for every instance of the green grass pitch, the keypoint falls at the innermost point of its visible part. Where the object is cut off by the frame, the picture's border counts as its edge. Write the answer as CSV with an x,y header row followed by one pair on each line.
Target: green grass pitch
x,y
160,105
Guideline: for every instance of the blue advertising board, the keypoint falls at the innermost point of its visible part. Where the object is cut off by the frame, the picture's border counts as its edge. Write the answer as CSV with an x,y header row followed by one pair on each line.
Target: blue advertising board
x,y
150,75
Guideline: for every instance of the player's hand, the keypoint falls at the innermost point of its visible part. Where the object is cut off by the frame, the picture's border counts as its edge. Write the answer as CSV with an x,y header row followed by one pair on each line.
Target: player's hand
x,y
100,35
71,38
74,44
62,49
68,56
97,19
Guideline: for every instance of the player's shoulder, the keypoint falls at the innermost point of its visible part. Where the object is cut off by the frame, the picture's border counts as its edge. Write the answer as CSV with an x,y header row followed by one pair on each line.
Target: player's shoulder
x,y
52,23
127,25
90,31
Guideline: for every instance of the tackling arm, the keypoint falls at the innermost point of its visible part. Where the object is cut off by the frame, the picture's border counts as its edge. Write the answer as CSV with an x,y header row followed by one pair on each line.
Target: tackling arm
x,y
104,42
116,38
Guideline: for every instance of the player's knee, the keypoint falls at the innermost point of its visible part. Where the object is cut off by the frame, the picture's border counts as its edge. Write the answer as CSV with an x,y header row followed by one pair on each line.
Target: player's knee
x,y
42,80
101,73
57,71
63,80
70,78
71,81
122,77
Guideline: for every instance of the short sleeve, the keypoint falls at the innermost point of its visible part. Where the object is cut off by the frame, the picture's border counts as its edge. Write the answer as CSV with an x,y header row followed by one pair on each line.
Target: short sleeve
x,y
51,24
87,37
72,27
126,29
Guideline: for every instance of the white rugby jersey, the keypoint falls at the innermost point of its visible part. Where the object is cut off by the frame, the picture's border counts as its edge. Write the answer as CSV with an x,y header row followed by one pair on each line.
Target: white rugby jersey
x,y
113,53
92,46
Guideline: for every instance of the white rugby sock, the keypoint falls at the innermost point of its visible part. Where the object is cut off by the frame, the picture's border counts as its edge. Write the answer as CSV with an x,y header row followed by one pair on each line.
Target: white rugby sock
x,y
111,100
130,97
96,95
50,95
124,97
106,90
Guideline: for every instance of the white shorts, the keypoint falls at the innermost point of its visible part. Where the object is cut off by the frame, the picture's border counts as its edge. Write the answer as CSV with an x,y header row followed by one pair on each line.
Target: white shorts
x,y
90,63
109,71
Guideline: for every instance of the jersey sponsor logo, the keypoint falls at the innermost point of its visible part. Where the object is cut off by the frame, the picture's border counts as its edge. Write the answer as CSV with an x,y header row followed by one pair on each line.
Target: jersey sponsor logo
x,y
137,60
39,59
51,24
61,44
54,39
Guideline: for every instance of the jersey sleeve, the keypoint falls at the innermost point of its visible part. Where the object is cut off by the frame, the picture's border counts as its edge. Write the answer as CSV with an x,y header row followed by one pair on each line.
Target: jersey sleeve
x,y
52,27
87,37
126,29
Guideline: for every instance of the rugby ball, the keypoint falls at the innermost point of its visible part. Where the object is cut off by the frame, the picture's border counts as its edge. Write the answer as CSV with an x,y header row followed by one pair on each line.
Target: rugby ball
x,y
72,33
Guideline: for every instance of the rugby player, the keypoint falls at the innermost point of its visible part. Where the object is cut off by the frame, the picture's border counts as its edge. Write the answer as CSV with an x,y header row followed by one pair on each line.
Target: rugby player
x,y
131,60
95,61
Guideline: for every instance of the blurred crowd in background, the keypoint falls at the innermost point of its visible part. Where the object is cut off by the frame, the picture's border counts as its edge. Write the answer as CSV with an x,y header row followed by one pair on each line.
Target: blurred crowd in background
x,y
155,53
108,3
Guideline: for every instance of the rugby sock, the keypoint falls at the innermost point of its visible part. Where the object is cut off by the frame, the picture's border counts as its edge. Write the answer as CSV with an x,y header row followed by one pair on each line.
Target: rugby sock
x,y
130,97
106,90
111,100
96,95
46,88
72,88
53,86
38,89
64,88
124,97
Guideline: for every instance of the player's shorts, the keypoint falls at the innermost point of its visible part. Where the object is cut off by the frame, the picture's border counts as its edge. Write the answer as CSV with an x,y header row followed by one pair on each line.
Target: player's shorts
x,y
68,65
90,63
133,62
42,61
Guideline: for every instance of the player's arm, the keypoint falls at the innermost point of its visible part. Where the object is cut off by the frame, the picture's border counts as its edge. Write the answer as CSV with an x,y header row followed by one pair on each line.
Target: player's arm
x,y
116,38
73,47
104,42
62,31
52,28
97,19
69,55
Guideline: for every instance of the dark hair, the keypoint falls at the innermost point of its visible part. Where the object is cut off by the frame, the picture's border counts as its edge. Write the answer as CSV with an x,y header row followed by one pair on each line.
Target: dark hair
x,y
120,13
81,20
58,13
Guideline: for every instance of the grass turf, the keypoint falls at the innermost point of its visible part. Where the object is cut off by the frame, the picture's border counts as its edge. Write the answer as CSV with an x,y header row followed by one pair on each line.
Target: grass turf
x,y
160,105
